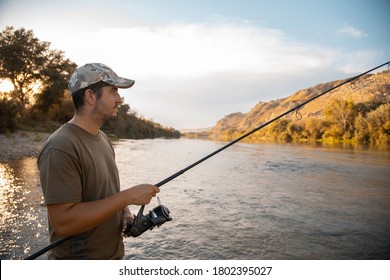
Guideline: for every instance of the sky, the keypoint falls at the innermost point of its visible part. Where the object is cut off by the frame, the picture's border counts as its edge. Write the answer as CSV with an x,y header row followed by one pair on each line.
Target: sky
x,y
196,61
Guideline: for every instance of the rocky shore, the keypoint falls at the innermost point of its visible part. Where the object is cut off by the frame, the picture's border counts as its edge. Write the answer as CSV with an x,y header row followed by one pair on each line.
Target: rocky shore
x,y
21,144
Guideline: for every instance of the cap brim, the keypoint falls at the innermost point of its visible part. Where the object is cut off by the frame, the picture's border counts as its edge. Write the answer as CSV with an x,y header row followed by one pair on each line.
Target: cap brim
x,y
120,82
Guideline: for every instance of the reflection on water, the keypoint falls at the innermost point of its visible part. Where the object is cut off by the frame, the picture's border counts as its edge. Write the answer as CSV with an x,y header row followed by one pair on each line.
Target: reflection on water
x,y
23,217
251,201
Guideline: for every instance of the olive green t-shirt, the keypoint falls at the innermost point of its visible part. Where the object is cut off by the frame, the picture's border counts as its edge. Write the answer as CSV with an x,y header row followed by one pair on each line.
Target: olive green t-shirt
x,y
76,166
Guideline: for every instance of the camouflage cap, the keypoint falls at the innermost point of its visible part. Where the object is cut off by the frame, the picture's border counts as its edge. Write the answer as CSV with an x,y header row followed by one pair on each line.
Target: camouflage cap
x,y
92,73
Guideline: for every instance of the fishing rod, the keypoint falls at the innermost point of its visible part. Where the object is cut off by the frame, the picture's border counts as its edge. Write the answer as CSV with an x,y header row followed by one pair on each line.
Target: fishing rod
x,y
177,174
47,248
143,223
160,214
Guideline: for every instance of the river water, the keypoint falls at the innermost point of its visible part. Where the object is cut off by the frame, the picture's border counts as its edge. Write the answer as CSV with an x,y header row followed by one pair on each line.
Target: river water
x,y
252,201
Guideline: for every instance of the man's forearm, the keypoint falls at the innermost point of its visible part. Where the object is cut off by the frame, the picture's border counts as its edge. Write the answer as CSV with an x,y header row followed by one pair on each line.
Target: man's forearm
x,y
73,218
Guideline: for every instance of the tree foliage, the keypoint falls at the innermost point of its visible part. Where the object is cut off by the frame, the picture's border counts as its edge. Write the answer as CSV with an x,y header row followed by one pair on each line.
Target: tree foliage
x,y
40,78
8,113
129,125
378,124
22,59
341,114
343,121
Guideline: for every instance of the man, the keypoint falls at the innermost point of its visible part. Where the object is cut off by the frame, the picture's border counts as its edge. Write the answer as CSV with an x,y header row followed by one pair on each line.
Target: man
x,y
79,176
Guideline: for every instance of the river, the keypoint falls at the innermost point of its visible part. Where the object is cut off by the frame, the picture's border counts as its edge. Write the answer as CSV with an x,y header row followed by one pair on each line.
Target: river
x,y
252,201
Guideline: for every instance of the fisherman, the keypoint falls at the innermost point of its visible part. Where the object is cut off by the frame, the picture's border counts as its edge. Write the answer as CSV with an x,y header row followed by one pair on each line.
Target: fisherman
x,y
79,176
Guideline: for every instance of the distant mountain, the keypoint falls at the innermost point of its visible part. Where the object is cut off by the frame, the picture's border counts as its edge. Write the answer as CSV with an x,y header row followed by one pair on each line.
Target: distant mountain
x,y
373,88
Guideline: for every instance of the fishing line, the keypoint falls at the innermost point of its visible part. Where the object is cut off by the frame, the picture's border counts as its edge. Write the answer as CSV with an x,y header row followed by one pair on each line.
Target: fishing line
x,y
182,171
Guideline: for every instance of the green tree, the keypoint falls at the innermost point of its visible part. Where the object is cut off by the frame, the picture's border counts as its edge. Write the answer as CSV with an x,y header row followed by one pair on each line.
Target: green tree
x,y
295,131
53,97
8,113
279,131
36,72
362,134
313,129
128,125
379,124
341,114
22,59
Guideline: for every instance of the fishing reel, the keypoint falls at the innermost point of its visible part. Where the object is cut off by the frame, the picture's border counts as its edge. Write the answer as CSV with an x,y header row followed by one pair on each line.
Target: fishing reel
x,y
156,217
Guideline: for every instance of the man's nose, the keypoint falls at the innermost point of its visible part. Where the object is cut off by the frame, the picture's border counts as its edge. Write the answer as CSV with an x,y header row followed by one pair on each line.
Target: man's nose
x,y
119,99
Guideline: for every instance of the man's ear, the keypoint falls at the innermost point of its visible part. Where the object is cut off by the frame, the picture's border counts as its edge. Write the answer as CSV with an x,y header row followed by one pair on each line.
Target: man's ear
x,y
90,97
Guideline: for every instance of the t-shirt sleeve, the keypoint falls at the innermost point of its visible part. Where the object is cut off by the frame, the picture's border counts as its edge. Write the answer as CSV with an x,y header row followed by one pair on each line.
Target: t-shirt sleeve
x,y
60,175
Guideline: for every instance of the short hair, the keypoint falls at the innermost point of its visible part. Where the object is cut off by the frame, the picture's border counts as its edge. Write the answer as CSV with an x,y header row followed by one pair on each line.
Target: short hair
x,y
78,96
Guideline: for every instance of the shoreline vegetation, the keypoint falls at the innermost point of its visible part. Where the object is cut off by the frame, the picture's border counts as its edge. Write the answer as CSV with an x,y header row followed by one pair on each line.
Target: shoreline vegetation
x,y
357,115
21,143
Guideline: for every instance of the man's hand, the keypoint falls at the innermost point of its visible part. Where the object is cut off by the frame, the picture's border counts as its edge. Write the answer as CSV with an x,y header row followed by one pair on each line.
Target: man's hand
x,y
127,217
142,194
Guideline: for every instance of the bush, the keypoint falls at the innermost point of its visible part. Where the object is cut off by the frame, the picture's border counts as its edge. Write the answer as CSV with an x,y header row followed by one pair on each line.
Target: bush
x,y
9,114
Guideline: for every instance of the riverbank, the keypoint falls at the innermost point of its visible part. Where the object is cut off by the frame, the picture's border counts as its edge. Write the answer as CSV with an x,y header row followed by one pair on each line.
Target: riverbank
x,y
21,144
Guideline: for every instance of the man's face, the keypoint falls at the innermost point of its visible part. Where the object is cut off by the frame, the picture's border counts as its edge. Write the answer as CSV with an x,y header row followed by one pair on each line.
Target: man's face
x,y
107,105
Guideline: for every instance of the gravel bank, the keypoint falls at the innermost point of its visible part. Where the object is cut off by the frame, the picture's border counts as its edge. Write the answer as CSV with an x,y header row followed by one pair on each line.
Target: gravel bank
x,y
21,144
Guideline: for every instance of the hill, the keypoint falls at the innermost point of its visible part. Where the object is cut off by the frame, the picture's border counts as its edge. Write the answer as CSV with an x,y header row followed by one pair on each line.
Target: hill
x,y
364,96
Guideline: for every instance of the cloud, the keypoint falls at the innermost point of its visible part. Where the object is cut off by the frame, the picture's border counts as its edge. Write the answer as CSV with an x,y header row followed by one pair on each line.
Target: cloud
x,y
191,75
194,50
351,31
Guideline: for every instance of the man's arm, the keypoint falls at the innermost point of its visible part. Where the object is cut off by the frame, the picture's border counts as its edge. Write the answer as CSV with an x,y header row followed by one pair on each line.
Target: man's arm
x,y
73,218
